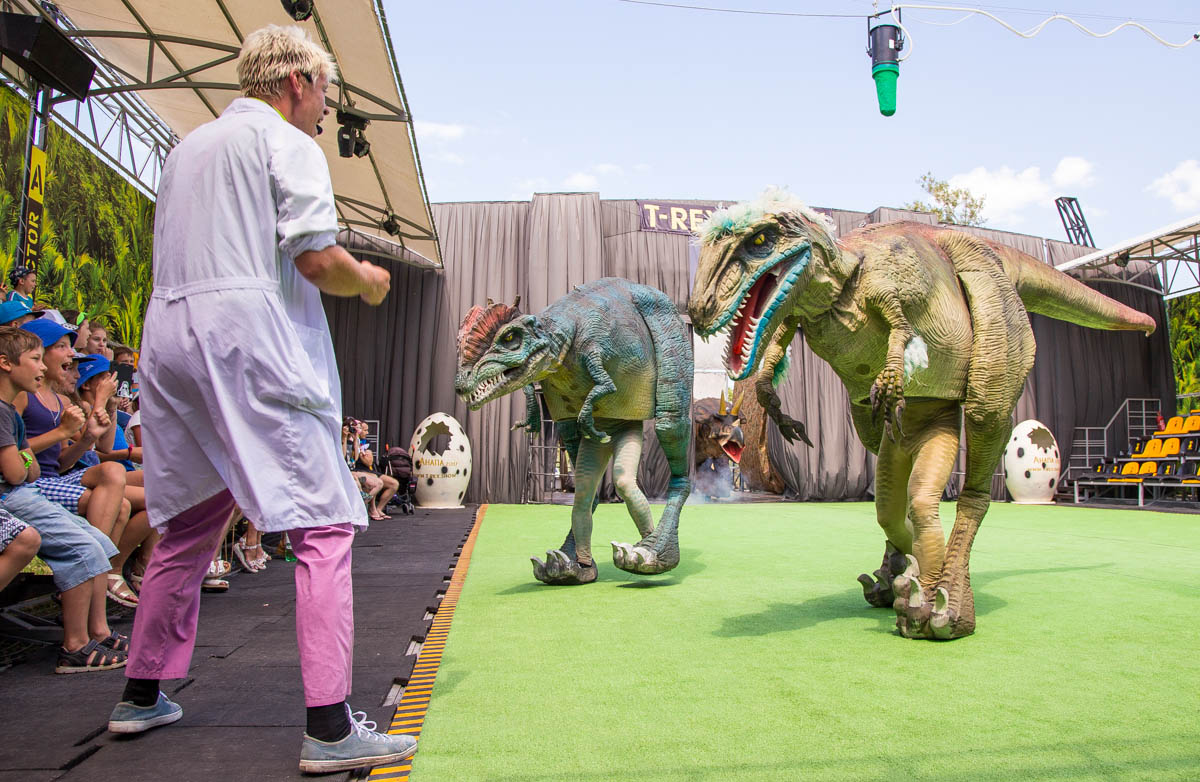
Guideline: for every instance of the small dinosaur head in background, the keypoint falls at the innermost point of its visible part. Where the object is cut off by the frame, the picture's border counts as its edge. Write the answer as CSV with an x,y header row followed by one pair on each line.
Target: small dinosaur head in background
x,y
718,430
752,256
499,351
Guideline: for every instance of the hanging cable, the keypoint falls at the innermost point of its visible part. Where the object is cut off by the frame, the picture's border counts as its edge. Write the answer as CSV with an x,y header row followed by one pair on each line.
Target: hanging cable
x,y
1031,32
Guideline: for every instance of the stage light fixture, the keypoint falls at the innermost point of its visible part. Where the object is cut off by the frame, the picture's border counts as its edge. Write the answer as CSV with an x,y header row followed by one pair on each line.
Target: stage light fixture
x,y
351,140
298,9
391,225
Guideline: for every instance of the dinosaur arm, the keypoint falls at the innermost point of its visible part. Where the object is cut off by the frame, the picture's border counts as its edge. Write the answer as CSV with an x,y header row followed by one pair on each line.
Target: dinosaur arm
x,y
765,382
533,412
603,386
887,306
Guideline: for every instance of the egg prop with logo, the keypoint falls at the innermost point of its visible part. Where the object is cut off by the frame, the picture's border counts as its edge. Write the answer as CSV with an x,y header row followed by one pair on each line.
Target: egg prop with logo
x,y
442,476
1031,464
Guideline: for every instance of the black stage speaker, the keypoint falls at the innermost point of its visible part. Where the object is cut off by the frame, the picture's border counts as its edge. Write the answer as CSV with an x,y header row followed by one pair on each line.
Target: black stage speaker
x,y
46,54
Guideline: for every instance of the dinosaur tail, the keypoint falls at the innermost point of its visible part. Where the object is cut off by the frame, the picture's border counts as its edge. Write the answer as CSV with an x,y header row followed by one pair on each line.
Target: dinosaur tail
x,y
1047,291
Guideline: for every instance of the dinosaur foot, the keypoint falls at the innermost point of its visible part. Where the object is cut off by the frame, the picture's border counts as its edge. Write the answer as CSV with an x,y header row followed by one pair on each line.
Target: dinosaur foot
x,y
640,559
928,615
561,569
878,590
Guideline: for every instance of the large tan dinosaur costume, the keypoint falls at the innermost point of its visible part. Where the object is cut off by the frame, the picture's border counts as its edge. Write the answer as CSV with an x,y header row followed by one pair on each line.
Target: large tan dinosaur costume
x,y
927,328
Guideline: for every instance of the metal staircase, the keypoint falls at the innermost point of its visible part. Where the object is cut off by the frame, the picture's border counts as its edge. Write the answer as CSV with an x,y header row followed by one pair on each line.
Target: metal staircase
x,y
1134,419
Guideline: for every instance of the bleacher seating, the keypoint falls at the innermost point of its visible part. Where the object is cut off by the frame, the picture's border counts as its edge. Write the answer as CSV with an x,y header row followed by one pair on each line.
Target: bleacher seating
x,y
1163,465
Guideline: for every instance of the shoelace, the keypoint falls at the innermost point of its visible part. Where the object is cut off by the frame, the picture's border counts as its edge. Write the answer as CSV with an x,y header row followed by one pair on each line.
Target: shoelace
x,y
364,727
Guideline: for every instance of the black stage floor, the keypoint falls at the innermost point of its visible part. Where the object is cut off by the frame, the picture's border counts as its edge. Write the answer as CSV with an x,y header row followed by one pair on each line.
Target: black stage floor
x,y
243,704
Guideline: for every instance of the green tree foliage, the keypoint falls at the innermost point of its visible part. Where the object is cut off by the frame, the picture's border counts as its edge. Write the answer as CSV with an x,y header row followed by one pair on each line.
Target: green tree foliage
x,y
950,204
1183,316
98,227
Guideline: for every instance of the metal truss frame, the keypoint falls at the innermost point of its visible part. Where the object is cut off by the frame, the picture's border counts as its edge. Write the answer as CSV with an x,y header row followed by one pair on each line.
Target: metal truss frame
x,y
1166,262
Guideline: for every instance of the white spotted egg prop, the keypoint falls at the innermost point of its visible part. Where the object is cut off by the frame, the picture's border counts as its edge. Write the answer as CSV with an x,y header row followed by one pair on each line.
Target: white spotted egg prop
x,y
441,455
1032,464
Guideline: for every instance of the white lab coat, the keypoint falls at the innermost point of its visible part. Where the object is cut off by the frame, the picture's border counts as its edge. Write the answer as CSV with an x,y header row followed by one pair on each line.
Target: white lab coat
x,y
239,385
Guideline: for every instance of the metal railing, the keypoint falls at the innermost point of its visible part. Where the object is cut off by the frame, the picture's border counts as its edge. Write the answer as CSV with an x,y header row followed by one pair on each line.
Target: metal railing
x,y
1135,419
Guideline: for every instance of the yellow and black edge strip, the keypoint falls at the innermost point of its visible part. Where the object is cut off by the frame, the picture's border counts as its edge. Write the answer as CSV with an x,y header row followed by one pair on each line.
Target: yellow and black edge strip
x,y
410,711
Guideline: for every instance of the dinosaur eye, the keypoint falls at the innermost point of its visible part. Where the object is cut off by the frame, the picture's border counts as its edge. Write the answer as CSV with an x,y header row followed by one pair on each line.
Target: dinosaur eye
x,y
509,338
759,240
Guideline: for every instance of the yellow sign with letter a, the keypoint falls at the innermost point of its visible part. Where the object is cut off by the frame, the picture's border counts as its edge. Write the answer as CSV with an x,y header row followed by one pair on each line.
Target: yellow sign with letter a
x,y
31,242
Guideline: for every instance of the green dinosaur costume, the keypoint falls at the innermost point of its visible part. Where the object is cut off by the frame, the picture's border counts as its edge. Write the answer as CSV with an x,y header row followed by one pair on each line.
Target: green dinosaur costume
x,y
609,355
927,327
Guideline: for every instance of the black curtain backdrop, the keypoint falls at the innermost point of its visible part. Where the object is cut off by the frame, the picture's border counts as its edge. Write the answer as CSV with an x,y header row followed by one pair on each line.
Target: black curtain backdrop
x,y
398,360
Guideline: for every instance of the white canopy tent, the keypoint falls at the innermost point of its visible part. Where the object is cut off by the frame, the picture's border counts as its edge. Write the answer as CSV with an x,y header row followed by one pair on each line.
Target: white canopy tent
x,y
177,59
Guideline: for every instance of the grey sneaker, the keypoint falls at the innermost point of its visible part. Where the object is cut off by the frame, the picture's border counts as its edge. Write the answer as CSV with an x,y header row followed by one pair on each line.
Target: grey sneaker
x,y
363,748
128,718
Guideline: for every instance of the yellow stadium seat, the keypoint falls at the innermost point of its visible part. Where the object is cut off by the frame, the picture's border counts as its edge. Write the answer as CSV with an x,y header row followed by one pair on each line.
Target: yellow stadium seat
x,y
1153,450
1174,426
1170,447
1192,424
1129,474
1148,468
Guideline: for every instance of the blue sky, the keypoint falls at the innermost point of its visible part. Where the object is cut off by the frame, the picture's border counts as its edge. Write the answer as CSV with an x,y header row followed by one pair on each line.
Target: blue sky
x,y
641,101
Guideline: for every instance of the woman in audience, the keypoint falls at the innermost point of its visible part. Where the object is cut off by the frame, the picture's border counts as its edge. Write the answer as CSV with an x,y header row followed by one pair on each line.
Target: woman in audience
x,y
369,484
366,463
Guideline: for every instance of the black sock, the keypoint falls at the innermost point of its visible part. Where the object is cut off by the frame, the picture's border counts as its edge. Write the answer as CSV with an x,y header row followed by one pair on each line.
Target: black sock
x,y
141,692
328,723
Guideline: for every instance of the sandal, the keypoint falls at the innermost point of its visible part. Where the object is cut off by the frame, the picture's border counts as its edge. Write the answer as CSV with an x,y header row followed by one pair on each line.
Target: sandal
x,y
213,584
120,593
90,657
136,576
118,642
260,562
249,564
219,568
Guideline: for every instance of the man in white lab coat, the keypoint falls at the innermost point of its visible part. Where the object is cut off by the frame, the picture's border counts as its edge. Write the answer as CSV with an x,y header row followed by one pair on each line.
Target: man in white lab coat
x,y
239,389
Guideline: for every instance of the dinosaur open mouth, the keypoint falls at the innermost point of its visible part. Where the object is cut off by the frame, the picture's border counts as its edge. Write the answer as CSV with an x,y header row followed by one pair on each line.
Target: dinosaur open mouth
x,y
745,322
752,321
733,451
498,385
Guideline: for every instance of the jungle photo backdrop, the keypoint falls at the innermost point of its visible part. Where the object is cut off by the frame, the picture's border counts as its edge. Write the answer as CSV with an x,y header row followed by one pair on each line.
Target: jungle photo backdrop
x,y
99,228
1184,316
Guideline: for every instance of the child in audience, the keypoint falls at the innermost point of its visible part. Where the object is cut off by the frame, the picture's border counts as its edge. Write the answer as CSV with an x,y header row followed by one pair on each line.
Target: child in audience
x,y
19,544
77,553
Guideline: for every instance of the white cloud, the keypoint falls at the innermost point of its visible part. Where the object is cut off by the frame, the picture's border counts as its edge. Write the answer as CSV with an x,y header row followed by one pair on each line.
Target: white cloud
x,y
1006,192
581,180
439,131
1181,186
1073,172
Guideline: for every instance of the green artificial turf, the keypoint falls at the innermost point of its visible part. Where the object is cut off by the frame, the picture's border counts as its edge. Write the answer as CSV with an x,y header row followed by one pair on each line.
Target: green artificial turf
x,y
757,658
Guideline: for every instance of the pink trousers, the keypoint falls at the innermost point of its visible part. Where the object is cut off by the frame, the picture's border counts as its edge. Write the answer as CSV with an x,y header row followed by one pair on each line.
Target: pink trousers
x,y
164,628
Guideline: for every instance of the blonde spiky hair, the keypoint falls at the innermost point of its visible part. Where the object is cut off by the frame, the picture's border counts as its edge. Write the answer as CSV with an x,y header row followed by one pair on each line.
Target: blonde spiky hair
x,y
739,217
269,55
